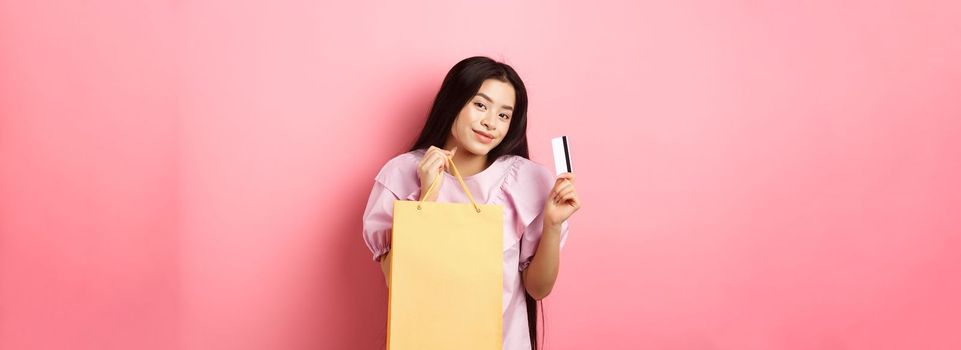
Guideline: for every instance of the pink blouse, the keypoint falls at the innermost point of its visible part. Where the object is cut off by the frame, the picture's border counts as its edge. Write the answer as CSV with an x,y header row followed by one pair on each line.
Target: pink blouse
x,y
516,183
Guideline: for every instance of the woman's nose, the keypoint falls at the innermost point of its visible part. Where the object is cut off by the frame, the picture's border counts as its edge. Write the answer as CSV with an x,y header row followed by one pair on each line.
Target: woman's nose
x,y
487,124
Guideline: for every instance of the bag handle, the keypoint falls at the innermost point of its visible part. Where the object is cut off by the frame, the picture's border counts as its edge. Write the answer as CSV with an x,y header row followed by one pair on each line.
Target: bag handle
x,y
463,185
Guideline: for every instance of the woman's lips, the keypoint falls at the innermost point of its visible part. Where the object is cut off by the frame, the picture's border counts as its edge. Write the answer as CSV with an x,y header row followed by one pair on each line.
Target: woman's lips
x,y
483,138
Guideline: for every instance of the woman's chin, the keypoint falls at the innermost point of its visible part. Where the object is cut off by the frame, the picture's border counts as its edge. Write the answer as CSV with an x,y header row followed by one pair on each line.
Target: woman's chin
x,y
478,150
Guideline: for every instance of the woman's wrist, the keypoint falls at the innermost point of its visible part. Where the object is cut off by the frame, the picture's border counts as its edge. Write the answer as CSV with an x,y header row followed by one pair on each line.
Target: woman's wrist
x,y
433,195
552,228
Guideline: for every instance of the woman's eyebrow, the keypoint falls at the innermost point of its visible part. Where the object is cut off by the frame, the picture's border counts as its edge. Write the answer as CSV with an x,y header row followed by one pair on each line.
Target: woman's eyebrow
x,y
481,94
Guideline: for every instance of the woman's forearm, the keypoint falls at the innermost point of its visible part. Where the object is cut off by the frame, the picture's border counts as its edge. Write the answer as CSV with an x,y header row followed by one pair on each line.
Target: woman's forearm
x,y
540,275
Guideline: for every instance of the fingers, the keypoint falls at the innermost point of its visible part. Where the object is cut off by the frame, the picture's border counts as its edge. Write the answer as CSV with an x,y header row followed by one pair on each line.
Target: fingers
x,y
439,153
432,153
571,197
562,179
566,176
435,158
429,161
436,163
563,185
435,149
558,188
566,193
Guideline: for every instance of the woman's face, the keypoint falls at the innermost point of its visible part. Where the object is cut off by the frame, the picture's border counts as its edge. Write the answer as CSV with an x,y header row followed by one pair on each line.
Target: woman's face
x,y
483,122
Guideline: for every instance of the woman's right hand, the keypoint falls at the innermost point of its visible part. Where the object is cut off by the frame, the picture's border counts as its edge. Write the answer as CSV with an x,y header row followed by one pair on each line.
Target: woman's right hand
x,y
431,165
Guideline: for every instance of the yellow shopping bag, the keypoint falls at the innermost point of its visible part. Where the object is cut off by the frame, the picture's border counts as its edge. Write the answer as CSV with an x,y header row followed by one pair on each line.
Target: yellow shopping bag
x,y
446,275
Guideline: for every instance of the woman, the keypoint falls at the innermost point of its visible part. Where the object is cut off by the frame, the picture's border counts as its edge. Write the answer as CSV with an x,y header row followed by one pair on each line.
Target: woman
x,y
479,119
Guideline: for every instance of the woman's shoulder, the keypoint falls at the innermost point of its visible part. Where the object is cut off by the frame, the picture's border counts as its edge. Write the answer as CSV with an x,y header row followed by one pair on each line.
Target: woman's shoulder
x,y
527,172
404,160
399,174
527,185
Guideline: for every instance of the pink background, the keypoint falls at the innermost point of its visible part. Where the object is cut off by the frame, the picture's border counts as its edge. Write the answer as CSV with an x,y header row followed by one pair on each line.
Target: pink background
x,y
756,174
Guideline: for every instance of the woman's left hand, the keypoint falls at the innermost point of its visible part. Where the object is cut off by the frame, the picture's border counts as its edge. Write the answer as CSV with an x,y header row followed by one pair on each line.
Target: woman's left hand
x,y
562,201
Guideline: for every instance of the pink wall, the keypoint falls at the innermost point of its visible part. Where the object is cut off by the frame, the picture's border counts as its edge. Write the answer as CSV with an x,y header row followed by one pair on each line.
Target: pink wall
x,y
756,175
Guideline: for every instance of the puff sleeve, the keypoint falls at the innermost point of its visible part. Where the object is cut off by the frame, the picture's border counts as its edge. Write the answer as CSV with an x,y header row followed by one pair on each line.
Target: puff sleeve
x,y
528,193
397,180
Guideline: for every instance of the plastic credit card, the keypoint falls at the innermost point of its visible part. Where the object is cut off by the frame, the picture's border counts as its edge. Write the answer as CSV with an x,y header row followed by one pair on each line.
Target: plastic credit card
x,y
562,155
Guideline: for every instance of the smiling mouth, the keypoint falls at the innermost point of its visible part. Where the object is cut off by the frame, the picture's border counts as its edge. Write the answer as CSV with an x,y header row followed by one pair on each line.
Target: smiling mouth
x,y
483,138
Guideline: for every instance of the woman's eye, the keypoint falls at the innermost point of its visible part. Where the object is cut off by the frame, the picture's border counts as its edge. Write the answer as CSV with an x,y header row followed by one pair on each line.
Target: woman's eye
x,y
505,116
480,105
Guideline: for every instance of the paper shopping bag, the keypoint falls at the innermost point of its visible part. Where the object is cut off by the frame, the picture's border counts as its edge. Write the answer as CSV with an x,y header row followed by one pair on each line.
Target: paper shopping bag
x,y
446,275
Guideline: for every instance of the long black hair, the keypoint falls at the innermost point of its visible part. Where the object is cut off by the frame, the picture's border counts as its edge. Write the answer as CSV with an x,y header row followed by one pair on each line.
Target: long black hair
x,y
462,82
